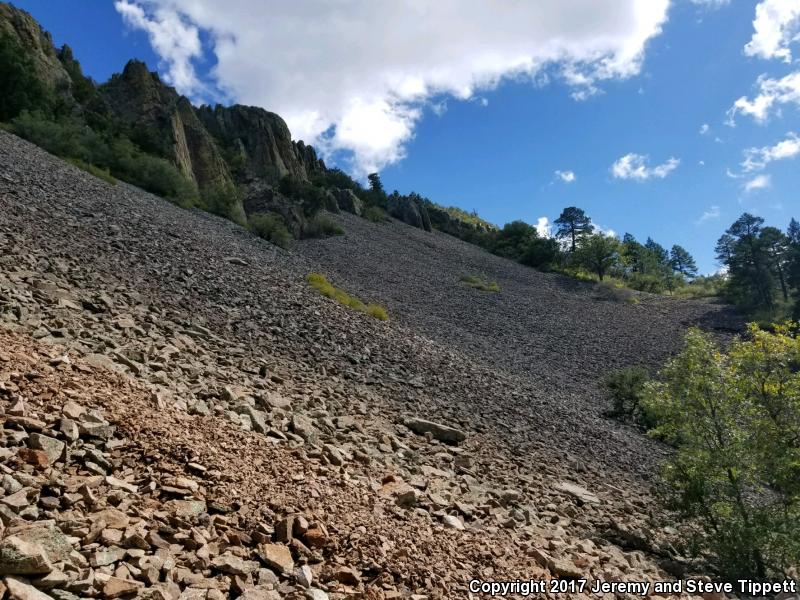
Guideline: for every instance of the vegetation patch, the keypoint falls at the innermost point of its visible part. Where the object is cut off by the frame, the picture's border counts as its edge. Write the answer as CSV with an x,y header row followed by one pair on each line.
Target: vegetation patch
x,y
322,226
478,283
733,417
93,170
375,214
614,292
327,289
270,227
625,389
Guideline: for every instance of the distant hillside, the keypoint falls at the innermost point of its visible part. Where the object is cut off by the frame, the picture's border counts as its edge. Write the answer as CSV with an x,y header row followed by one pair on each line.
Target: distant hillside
x,y
235,161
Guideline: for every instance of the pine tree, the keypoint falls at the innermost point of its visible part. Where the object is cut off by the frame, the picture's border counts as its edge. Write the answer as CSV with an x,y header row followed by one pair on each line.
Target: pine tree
x,y
573,224
682,262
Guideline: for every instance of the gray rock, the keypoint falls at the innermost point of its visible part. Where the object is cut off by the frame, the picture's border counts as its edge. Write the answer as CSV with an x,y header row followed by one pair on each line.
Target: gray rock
x,y
51,446
19,557
304,427
19,589
349,202
443,433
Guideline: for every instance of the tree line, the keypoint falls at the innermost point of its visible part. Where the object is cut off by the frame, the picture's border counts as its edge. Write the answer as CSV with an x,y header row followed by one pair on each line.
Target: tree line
x,y
579,249
763,267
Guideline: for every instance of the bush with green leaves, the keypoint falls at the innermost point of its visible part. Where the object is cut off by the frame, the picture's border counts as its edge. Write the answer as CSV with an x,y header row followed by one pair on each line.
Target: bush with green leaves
x,y
321,226
22,89
625,388
375,214
71,139
734,418
614,291
96,171
270,227
224,200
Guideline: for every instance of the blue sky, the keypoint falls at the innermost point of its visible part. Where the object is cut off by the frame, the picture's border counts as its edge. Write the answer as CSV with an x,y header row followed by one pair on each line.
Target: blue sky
x,y
492,138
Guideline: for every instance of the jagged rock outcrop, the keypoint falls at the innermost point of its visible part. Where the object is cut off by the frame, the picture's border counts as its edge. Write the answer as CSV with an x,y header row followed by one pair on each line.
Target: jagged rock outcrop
x,y
261,197
259,143
38,45
168,122
447,223
349,202
409,211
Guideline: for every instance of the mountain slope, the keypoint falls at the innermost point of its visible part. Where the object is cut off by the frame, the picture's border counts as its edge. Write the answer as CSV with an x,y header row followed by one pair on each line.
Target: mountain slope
x,y
211,320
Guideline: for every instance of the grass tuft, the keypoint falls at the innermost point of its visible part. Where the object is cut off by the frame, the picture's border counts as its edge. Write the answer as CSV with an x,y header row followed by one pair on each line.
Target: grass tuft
x,y
476,282
326,288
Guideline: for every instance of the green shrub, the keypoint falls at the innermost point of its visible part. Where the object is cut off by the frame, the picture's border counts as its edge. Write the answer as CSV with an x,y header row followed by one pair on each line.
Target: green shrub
x,y
223,200
71,139
96,171
327,289
375,214
22,90
614,292
476,282
733,417
270,227
626,388
321,226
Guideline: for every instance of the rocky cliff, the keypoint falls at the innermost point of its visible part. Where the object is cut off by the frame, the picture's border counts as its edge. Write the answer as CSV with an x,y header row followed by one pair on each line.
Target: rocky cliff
x,y
139,99
258,143
212,147
38,44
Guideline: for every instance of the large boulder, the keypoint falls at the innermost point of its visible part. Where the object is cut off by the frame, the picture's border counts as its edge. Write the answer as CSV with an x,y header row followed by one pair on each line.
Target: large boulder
x,y
262,198
349,202
409,211
443,433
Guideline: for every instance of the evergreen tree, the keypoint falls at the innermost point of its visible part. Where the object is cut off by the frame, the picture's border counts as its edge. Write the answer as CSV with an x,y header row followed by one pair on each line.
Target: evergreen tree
x,y
776,246
682,262
599,253
572,225
375,183
793,263
745,253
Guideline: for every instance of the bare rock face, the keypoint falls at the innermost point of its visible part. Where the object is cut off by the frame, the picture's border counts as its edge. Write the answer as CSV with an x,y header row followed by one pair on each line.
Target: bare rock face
x,y
261,197
166,122
409,211
349,202
38,44
260,143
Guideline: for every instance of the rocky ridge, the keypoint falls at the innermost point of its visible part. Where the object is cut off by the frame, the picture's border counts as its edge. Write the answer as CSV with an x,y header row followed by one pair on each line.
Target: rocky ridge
x,y
417,465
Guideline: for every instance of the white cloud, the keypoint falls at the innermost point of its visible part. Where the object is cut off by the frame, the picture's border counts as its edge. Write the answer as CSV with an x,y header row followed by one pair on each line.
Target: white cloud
x,y
566,176
634,166
759,182
606,232
710,214
543,227
704,128
175,41
712,3
355,75
771,94
777,26
756,159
